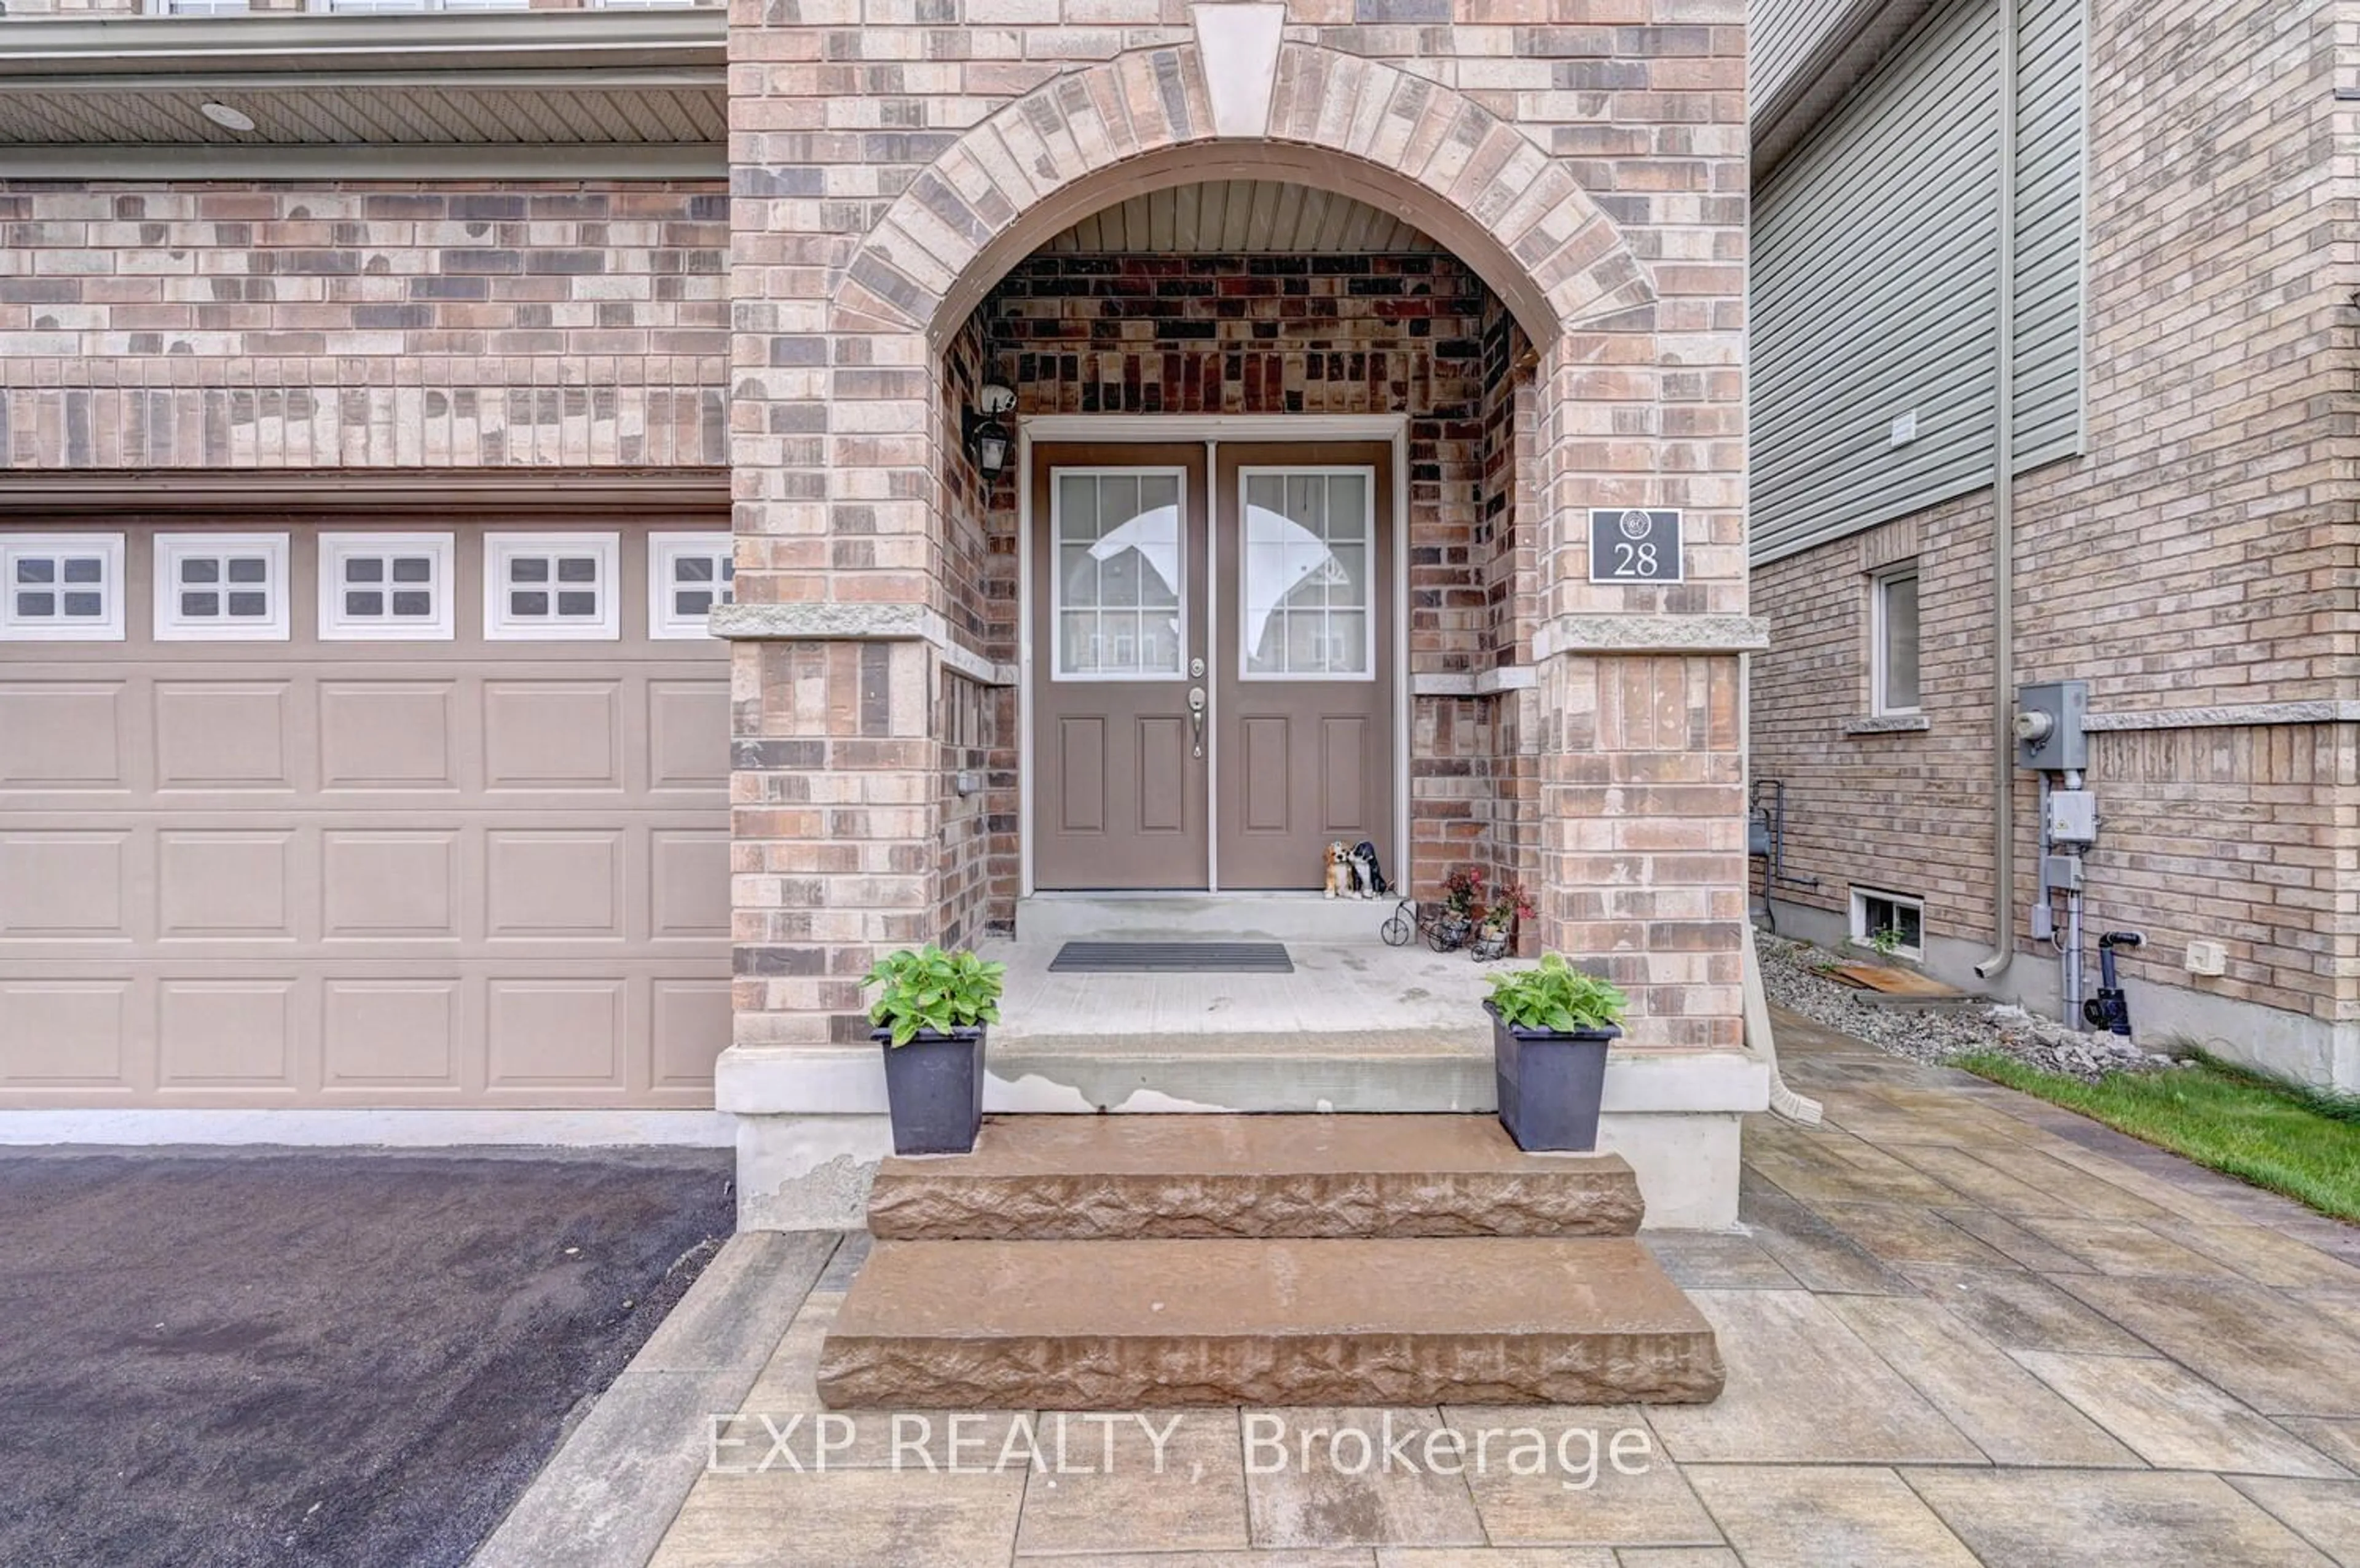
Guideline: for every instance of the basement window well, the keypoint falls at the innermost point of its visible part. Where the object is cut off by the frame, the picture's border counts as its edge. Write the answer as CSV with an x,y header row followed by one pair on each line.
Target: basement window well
x,y
1873,911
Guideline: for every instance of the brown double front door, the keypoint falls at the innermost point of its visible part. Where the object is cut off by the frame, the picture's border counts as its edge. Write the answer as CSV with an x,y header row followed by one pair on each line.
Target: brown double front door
x,y
1212,661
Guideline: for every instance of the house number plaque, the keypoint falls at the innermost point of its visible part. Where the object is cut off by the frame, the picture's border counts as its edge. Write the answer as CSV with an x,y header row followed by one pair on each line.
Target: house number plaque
x,y
1634,544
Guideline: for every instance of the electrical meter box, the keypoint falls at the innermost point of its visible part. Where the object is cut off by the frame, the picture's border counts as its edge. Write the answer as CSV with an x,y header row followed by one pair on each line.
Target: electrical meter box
x,y
2072,818
2048,732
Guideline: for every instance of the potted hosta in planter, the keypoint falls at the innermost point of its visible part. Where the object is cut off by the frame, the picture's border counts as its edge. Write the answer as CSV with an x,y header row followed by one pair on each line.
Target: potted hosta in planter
x,y
930,1016
1550,1029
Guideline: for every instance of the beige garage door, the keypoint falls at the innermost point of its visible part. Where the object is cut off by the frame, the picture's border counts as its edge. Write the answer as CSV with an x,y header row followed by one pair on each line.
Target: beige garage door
x,y
298,813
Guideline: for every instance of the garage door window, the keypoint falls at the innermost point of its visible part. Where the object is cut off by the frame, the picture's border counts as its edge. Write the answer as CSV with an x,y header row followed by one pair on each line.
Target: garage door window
x,y
551,586
61,587
389,587
687,575
220,587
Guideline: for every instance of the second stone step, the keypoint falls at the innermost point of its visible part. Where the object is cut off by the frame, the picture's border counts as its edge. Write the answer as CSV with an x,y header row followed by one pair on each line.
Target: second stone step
x,y
1065,1178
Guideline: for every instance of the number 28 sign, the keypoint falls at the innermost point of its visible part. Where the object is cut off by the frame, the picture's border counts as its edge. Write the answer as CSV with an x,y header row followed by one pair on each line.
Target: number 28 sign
x,y
1634,544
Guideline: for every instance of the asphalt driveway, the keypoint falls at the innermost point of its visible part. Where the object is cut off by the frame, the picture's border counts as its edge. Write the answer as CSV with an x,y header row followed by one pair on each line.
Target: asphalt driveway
x,y
318,1358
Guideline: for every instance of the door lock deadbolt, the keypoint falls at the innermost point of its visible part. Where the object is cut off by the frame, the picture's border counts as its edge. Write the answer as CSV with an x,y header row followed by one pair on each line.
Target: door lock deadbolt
x,y
1196,669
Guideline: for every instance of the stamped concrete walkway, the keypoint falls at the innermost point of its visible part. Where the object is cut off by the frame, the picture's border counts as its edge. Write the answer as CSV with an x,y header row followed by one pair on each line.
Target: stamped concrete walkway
x,y
1960,1327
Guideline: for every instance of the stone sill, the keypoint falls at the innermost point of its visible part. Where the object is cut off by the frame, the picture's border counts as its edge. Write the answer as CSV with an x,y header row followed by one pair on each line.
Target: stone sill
x,y
1888,723
2233,715
1638,634
1475,684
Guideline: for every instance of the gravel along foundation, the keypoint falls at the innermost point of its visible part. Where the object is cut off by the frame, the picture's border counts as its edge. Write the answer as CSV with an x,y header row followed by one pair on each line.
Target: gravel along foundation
x,y
1790,975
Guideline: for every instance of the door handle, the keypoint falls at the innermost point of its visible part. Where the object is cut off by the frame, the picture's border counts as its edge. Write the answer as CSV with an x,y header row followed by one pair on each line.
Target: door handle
x,y
1197,716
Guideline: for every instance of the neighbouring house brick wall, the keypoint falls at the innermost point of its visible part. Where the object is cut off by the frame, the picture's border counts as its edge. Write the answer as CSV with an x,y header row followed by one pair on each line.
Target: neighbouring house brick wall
x,y
1907,813
2243,835
2205,553
347,325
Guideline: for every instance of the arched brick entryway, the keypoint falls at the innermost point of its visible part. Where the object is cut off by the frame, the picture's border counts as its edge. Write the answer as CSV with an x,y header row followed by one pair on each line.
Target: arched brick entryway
x,y
857,662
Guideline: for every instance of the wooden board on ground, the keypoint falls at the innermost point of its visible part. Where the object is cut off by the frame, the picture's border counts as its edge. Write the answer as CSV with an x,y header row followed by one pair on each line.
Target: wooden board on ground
x,y
1896,981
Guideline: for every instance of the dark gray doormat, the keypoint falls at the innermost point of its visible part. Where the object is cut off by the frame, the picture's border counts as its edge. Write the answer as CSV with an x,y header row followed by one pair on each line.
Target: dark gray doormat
x,y
1172,958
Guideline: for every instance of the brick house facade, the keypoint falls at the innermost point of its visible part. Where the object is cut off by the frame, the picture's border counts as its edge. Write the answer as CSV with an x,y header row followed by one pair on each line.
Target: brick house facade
x,y
609,322
2193,561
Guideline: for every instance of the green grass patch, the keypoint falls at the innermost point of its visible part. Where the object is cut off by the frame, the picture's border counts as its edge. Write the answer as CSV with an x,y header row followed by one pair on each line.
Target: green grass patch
x,y
2304,1143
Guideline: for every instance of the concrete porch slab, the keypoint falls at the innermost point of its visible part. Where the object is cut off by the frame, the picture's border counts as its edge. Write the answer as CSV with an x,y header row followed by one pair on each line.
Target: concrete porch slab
x,y
1361,993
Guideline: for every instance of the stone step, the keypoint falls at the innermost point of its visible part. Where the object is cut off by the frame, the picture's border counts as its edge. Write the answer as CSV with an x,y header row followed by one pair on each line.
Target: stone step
x,y
1082,1325
1049,1177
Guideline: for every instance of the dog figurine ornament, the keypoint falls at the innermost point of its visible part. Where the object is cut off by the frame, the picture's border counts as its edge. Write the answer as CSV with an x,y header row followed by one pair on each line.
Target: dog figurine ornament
x,y
1339,871
1351,872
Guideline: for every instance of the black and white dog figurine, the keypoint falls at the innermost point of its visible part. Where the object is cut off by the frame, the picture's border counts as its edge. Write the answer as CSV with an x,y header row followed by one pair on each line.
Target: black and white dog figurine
x,y
1366,882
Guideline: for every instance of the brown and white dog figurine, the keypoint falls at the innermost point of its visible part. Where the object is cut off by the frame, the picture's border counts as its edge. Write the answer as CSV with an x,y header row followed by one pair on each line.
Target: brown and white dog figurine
x,y
1340,881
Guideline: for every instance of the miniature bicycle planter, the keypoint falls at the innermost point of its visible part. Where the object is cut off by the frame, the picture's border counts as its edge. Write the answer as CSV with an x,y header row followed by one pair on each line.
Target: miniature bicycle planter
x,y
1551,1027
1445,929
931,1018
1485,927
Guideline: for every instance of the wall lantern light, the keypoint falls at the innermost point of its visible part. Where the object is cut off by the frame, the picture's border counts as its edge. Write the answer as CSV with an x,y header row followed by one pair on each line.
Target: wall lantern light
x,y
989,440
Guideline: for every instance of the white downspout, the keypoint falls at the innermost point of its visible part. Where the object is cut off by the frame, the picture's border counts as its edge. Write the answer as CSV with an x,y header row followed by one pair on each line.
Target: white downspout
x,y
2003,527
1759,1035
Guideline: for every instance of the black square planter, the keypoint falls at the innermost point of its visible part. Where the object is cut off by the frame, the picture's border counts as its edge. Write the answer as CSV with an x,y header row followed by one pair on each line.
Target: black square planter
x,y
934,1086
1550,1083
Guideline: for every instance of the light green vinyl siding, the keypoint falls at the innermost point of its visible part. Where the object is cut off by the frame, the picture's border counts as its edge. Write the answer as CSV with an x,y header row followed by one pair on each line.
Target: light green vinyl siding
x,y
1873,285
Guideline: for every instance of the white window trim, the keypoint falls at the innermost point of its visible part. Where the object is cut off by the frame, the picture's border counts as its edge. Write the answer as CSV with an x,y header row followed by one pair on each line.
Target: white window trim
x,y
1860,931
1367,674
106,628
169,551
1879,584
336,626
607,547
663,625
1057,670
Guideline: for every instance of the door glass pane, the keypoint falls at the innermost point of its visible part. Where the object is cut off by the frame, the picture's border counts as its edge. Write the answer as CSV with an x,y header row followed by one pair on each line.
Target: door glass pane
x,y
1079,647
1307,592
1119,574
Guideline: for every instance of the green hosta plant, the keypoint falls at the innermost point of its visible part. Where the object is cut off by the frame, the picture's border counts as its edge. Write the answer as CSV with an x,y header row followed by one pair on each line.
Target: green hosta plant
x,y
1885,940
1556,996
927,988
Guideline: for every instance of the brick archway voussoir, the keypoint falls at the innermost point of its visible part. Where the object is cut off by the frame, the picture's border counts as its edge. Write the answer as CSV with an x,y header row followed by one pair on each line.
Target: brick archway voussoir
x,y
1144,120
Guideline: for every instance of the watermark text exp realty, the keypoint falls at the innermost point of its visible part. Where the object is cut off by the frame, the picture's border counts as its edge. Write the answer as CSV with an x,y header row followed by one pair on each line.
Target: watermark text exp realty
x,y
1098,1444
